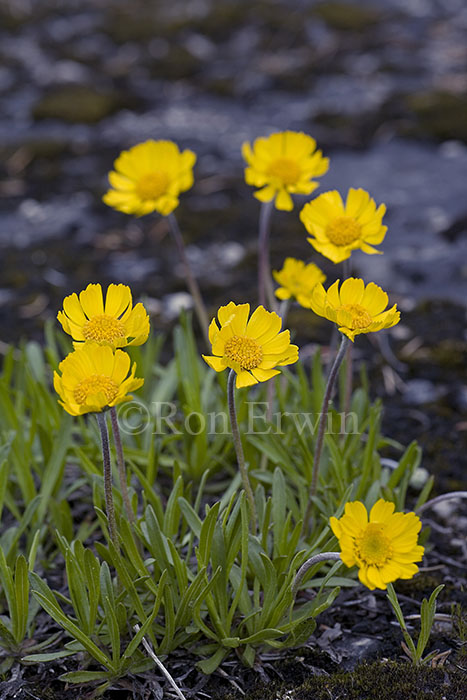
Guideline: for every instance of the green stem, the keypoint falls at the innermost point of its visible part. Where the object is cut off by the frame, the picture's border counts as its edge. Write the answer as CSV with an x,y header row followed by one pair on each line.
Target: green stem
x,y
322,425
121,465
192,284
237,441
109,503
265,290
316,559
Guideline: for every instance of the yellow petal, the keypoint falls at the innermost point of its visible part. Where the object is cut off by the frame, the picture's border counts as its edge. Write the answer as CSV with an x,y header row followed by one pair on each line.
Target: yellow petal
x,y
91,300
357,512
352,290
216,363
244,378
262,375
117,300
284,201
381,511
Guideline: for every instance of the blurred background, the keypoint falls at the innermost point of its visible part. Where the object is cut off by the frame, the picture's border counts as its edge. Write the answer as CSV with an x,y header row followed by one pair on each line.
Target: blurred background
x,y
381,85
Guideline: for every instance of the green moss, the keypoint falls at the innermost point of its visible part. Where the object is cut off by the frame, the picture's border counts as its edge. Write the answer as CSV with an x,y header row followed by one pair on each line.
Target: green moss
x,y
450,353
347,17
442,115
77,103
179,63
377,681
222,87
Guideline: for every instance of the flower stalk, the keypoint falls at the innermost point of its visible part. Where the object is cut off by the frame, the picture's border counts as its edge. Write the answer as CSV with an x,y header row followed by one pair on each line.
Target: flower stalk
x,y
316,559
322,424
265,291
192,284
121,465
109,503
439,499
237,441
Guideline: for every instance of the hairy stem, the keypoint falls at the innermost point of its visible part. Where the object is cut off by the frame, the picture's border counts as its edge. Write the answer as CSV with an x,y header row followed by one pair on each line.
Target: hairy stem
x,y
322,425
316,559
349,364
191,282
439,499
265,290
109,502
239,449
121,465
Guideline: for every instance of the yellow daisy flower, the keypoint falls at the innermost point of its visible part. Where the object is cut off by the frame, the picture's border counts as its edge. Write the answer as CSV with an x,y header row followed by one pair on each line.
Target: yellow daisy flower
x,y
282,164
93,378
149,177
356,308
338,229
117,322
297,280
383,546
252,348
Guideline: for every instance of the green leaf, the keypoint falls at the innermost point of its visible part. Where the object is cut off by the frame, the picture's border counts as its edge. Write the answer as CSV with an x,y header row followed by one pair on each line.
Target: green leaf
x,y
84,676
51,656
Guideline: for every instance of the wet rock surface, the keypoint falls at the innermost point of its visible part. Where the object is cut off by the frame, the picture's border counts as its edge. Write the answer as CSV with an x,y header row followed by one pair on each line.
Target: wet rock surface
x,y
381,85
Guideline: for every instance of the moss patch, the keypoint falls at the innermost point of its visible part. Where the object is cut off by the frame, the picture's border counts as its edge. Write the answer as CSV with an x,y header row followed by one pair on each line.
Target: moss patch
x,y
378,681
346,16
442,115
77,103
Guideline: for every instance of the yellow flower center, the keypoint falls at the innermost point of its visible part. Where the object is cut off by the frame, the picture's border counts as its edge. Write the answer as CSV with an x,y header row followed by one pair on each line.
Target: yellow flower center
x,y
360,316
104,329
343,231
285,170
246,351
95,384
373,547
152,185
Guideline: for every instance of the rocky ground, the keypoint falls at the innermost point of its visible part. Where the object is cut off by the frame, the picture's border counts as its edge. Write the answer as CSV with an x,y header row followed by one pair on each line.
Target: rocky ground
x,y
382,87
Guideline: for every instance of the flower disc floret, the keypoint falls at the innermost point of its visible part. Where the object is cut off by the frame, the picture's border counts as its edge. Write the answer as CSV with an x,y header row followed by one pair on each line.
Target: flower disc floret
x,y
355,308
246,351
116,322
282,164
93,378
150,177
93,385
297,280
336,229
253,347
383,545
343,231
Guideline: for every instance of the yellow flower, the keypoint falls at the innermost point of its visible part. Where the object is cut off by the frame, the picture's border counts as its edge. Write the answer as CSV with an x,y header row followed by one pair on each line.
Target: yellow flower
x,y
283,163
149,177
355,308
117,323
252,348
297,280
338,229
384,547
93,378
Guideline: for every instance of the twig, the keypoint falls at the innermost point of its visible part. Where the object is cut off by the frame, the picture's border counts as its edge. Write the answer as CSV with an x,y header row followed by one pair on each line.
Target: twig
x,y
160,665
